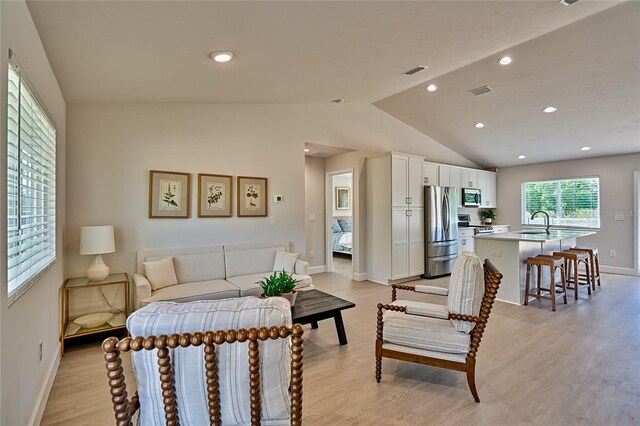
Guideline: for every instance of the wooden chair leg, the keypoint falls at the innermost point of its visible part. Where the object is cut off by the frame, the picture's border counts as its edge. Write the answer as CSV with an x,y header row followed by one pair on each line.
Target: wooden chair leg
x,y
471,377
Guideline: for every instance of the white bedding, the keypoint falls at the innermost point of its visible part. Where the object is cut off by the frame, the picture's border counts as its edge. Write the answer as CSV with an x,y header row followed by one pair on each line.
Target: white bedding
x,y
345,240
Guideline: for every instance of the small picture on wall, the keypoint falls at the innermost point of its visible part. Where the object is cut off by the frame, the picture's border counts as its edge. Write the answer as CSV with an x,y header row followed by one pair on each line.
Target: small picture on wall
x,y
252,196
214,195
169,194
343,198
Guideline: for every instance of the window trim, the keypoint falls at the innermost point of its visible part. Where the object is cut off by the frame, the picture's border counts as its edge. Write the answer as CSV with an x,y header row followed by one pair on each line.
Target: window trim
x,y
568,227
24,287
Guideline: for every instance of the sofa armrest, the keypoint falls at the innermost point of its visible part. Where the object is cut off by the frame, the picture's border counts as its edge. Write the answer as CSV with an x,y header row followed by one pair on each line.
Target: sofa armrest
x,y
143,288
301,267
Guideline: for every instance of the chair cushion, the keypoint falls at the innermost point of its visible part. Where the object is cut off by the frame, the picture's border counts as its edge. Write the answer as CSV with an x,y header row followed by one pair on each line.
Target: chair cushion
x,y
466,289
160,273
250,261
285,262
188,292
233,361
424,333
248,284
424,309
199,266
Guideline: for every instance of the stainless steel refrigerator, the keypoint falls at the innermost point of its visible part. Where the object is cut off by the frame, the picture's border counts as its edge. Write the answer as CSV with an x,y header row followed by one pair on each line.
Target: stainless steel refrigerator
x,y
441,230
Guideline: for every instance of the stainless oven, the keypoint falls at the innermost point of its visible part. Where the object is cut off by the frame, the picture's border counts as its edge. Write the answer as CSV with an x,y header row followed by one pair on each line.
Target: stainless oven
x,y
471,197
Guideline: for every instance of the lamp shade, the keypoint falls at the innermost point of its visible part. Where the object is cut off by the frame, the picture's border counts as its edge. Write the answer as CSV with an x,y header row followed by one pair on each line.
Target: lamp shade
x,y
97,240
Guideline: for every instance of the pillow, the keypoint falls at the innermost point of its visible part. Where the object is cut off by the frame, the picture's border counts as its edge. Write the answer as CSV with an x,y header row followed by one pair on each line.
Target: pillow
x,y
466,289
160,273
335,226
346,225
285,261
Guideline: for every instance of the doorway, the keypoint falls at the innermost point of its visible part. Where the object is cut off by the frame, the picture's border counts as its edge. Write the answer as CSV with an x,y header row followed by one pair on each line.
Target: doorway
x,y
340,242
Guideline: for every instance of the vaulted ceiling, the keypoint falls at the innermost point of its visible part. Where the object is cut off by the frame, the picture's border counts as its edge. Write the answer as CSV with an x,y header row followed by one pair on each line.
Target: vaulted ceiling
x,y
314,52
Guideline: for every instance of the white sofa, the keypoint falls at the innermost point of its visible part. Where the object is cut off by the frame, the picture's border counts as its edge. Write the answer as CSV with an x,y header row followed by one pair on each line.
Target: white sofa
x,y
214,272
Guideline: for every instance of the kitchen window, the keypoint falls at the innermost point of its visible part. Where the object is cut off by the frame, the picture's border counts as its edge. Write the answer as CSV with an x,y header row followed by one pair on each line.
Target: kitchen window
x,y
31,184
573,203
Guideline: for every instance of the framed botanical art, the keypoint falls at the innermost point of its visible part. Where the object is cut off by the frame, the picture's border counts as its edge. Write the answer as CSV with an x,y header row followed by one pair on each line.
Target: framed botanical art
x,y
343,198
252,196
169,195
215,195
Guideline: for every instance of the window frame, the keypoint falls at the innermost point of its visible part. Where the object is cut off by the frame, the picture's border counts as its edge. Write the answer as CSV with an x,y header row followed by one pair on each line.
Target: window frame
x,y
558,179
22,288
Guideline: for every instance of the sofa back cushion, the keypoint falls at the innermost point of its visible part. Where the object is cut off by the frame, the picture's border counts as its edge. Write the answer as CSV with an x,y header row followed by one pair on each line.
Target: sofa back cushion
x,y
155,254
199,266
466,289
248,259
233,361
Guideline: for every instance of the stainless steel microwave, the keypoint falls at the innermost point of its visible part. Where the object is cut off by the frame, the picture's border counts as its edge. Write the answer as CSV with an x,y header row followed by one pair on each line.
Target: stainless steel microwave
x,y
471,197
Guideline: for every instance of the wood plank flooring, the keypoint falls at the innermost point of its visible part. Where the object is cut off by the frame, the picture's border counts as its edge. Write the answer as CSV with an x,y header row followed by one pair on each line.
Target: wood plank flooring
x,y
579,365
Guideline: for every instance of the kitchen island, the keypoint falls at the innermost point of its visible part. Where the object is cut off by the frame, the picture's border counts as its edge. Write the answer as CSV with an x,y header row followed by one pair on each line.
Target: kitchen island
x,y
509,252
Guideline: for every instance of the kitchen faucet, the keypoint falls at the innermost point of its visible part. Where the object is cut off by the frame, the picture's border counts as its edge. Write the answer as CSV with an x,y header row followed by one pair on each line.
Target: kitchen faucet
x,y
546,219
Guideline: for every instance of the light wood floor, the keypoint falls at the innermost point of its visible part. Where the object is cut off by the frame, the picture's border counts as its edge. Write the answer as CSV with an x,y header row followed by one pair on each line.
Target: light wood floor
x,y
579,365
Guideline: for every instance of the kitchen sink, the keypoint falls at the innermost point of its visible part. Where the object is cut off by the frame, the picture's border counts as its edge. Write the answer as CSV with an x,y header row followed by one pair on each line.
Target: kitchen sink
x,y
532,232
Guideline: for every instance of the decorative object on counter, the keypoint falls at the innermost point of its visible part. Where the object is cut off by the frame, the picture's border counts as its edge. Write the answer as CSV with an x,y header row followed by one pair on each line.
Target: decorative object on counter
x,y
280,284
488,216
252,196
215,195
97,240
169,195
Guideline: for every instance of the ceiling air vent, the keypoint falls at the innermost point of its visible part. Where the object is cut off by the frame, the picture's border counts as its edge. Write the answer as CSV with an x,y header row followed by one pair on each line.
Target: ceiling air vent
x,y
412,71
320,154
482,90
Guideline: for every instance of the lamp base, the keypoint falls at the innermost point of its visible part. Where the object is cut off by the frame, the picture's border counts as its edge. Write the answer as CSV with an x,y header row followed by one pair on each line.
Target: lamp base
x,y
98,271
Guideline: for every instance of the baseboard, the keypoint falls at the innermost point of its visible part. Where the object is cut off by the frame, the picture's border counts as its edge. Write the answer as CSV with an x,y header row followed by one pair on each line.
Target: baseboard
x,y
359,276
43,395
617,270
317,269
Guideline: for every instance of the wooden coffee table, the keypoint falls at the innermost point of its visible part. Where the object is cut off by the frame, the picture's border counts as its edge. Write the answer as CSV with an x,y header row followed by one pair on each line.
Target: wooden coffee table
x,y
312,306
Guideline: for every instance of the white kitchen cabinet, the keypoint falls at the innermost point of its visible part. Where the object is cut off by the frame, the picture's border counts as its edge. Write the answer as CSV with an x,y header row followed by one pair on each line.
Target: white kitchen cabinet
x,y
465,240
450,176
430,174
470,178
395,217
499,229
487,186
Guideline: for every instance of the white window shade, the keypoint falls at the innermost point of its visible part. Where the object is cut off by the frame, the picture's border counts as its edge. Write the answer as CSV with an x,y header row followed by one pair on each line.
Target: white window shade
x,y
570,202
31,185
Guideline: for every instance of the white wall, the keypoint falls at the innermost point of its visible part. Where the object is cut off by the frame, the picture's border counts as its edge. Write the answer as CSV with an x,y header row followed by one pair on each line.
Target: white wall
x,y
343,181
314,204
34,317
616,195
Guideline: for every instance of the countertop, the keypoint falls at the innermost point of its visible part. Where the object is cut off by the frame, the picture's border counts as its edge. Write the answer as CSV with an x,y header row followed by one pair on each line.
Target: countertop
x,y
555,234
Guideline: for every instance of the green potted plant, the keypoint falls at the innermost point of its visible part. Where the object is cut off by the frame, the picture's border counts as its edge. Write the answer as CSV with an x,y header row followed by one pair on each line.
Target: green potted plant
x,y
279,284
488,215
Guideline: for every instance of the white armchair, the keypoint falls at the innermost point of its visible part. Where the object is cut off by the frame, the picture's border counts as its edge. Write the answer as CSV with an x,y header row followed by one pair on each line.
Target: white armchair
x,y
446,336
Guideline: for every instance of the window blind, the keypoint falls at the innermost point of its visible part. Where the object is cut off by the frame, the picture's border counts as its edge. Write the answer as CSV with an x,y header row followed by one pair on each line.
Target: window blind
x,y
569,202
31,185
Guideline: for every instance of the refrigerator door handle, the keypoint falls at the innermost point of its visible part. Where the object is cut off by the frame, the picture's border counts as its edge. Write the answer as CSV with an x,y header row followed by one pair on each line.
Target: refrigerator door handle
x,y
443,258
447,210
444,244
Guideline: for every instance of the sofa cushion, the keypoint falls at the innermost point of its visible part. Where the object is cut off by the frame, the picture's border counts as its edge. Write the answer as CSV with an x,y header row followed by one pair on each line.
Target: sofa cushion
x,y
249,286
285,262
466,289
160,273
233,361
250,261
199,266
188,292
346,225
424,333
335,226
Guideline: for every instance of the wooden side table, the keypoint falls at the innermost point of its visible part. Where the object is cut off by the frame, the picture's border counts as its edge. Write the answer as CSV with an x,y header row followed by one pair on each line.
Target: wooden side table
x,y
69,329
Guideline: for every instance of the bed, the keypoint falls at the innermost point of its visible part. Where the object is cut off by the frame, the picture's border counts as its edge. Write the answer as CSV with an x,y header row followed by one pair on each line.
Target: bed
x,y
341,235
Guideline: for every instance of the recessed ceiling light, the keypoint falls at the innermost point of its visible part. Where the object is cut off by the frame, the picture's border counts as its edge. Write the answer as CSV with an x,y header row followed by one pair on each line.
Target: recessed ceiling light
x,y
432,88
479,125
549,109
307,150
522,156
505,60
585,148
222,56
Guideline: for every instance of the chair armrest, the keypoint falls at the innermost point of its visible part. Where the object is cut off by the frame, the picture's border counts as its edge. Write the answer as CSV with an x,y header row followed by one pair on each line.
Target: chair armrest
x,y
395,287
301,267
470,318
428,289
143,288
424,309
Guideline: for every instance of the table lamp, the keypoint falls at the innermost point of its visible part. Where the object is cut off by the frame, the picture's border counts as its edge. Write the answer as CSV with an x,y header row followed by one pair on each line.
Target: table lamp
x,y
97,240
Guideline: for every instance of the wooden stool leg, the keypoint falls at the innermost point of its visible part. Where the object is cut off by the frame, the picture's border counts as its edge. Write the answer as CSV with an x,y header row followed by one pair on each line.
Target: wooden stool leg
x,y
539,278
587,278
576,278
553,289
597,263
526,289
590,282
564,284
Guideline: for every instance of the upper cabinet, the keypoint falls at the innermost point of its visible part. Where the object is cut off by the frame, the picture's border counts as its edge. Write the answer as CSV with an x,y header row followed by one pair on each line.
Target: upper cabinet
x,y
430,174
487,186
471,178
406,180
450,176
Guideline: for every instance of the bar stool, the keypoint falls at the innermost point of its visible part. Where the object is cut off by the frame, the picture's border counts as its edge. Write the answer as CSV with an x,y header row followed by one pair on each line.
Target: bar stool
x,y
553,262
572,259
595,263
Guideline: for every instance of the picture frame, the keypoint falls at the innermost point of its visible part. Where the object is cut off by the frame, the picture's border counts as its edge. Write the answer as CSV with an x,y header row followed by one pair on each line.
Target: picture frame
x,y
215,195
169,195
252,196
343,198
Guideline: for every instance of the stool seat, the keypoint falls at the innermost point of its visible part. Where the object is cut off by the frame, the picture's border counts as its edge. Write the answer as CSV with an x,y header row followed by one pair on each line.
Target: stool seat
x,y
570,254
546,259
553,263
